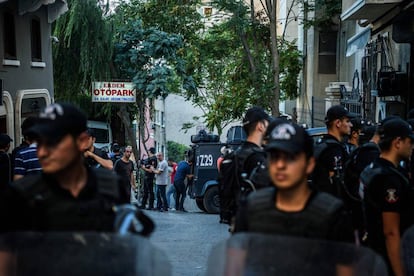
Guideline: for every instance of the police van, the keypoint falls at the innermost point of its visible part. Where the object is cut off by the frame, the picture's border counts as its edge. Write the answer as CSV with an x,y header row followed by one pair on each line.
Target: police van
x,y
103,133
205,150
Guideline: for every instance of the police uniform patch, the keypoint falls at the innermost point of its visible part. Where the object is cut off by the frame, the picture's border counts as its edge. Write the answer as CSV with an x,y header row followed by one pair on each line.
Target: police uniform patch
x,y
391,197
283,132
52,111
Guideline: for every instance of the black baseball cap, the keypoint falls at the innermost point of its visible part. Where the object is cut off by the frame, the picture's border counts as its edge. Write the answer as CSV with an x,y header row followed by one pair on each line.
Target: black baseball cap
x,y
27,125
288,137
57,120
356,124
255,114
411,122
338,112
368,132
394,128
5,139
274,122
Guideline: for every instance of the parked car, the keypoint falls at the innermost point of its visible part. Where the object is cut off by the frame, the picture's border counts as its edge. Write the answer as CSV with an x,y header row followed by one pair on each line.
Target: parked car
x,y
317,132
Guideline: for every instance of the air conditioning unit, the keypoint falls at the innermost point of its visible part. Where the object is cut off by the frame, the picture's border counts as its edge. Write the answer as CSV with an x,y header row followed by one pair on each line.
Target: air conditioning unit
x,y
388,108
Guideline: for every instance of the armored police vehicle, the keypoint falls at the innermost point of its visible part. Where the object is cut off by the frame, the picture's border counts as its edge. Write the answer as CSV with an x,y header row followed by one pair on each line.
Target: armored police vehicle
x,y
204,153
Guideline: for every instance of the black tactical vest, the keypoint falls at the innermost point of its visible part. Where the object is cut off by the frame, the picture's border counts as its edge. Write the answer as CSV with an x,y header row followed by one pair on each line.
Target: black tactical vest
x,y
321,180
50,213
315,221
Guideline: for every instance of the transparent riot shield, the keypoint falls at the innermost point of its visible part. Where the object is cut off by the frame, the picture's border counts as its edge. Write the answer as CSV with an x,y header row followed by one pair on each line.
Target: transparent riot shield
x,y
260,254
80,254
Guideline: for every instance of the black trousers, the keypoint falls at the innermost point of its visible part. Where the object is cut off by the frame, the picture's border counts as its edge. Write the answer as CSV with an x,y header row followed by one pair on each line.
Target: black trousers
x,y
148,191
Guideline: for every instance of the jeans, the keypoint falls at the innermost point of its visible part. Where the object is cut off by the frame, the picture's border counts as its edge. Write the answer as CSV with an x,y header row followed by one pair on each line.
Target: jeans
x,y
179,195
170,191
161,197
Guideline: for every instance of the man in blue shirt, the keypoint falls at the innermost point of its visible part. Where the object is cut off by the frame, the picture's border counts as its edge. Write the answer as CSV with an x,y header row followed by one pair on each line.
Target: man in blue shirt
x,y
183,172
26,162
26,126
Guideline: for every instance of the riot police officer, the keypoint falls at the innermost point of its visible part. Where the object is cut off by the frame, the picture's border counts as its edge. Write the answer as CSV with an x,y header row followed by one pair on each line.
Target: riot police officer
x,y
68,195
147,165
244,161
330,152
291,207
387,194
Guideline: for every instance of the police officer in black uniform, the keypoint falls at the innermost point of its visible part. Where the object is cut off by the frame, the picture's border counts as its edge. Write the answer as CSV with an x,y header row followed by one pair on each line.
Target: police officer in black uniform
x,y
291,207
352,141
330,152
248,156
250,153
146,165
387,194
68,195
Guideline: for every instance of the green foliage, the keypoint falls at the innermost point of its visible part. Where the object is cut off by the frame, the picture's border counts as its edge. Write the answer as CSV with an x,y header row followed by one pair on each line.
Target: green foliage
x,y
149,58
176,151
153,49
179,17
226,77
240,75
290,67
326,13
83,54
230,85
163,48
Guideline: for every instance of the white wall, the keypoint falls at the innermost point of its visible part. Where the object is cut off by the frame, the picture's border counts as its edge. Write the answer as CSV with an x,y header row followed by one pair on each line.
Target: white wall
x,y
177,112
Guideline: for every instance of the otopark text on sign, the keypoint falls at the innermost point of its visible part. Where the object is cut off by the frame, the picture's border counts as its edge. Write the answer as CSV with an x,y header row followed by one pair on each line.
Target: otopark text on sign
x,y
113,92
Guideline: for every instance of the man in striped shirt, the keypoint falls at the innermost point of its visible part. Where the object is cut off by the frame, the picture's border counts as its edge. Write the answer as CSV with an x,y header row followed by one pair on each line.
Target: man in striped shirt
x,y
26,161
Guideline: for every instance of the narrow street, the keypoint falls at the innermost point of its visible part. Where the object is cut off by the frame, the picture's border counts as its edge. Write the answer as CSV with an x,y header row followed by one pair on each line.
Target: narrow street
x,y
187,238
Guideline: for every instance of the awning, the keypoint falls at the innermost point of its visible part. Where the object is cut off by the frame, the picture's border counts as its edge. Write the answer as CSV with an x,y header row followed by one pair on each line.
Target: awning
x,y
368,9
357,42
55,8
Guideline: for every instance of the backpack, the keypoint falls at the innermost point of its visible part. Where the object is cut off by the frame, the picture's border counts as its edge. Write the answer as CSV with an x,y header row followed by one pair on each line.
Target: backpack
x,y
230,182
320,176
353,167
259,176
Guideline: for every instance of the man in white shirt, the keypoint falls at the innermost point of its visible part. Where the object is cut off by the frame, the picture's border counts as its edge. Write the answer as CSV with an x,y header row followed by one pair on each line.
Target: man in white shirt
x,y
161,180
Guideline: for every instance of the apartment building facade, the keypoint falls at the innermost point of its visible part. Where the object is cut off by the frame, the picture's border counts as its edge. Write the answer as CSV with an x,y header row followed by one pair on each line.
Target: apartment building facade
x,y
26,68
364,62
